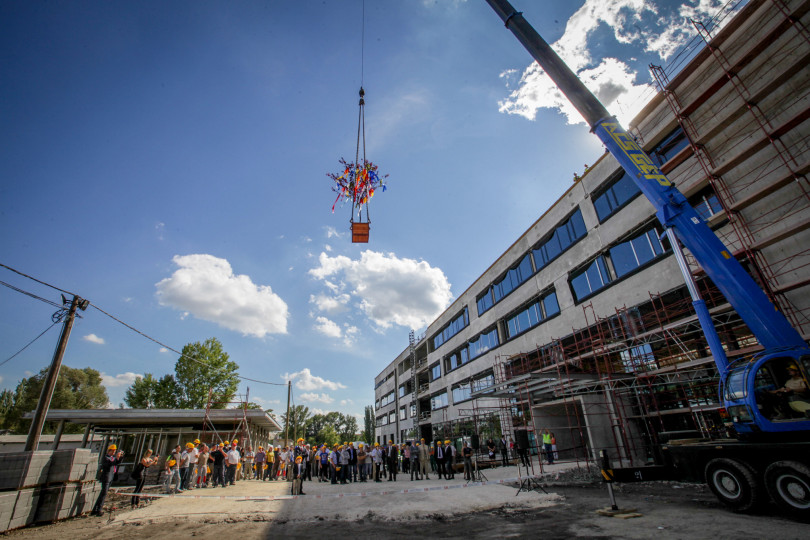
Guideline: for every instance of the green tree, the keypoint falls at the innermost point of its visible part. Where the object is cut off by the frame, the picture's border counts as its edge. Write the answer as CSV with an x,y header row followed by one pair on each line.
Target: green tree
x,y
6,405
147,392
315,424
299,414
347,428
204,366
75,389
328,436
368,424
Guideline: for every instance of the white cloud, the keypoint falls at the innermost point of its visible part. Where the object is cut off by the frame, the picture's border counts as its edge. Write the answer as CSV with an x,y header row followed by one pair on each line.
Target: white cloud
x,y
206,287
122,379
330,304
390,290
317,398
305,380
327,247
649,25
92,338
331,232
350,335
327,327
163,350
346,402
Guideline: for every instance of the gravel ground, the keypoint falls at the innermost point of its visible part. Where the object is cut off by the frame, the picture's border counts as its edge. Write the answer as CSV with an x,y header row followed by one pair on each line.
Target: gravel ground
x,y
668,510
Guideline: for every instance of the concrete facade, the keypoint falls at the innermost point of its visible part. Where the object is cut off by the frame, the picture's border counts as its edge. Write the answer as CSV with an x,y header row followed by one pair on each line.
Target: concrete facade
x,y
745,166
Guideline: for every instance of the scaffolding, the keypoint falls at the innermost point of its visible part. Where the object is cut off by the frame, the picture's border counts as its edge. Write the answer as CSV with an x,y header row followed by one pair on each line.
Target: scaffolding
x,y
745,79
241,428
622,383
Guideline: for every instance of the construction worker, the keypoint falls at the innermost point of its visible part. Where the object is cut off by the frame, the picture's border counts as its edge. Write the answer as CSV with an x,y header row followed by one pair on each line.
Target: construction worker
x,y
547,446
108,466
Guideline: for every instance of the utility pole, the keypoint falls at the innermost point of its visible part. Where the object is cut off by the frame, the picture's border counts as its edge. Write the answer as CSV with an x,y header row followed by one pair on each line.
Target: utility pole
x,y
48,386
287,426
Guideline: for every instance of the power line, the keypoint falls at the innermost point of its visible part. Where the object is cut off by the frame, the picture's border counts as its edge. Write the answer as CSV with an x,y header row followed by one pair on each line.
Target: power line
x,y
150,338
116,319
29,343
37,280
32,295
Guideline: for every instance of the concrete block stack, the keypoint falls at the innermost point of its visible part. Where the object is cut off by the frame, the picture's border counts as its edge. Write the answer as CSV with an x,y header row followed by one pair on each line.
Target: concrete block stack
x,y
46,486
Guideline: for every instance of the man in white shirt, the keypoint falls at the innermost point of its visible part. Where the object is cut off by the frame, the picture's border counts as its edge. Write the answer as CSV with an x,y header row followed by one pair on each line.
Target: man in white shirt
x,y
193,458
232,460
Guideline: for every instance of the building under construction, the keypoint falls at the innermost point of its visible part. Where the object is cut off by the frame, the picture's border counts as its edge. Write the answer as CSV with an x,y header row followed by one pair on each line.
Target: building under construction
x,y
584,325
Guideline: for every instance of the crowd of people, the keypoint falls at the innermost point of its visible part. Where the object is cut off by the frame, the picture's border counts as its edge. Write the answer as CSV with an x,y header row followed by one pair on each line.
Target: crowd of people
x,y
197,465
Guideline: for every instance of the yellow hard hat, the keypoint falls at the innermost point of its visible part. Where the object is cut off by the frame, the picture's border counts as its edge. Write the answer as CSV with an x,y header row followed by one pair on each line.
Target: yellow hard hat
x,y
376,444
196,441
446,442
360,445
301,439
299,458
235,441
189,445
345,443
112,447
793,366
226,442
390,442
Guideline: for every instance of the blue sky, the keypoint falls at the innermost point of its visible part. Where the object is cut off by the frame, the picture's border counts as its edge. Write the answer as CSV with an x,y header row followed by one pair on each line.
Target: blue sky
x,y
168,161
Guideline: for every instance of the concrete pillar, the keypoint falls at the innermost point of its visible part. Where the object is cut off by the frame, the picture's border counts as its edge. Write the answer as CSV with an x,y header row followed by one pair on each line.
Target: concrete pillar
x,y
58,436
86,435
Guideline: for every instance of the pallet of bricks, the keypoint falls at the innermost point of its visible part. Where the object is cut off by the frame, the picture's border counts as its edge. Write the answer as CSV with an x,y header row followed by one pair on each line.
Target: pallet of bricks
x,y
46,486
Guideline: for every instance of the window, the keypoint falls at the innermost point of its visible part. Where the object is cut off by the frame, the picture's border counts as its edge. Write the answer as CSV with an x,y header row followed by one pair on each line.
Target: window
x,y
377,404
563,237
483,382
614,196
392,417
484,342
484,302
513,278
590,279
706,203
382,420
387,399
451,329
435,371
457,359
402,413
532,315
671,145
462,392
413,410
438,401
635,252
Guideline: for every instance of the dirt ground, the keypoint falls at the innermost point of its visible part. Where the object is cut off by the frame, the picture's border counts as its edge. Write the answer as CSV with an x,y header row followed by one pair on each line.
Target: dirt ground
x,y
668,510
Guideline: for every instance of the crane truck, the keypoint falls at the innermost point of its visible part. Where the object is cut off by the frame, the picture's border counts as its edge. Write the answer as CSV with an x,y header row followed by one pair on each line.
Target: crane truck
x,y
769,454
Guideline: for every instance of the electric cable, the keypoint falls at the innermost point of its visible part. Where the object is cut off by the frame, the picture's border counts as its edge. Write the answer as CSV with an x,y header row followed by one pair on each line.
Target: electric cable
x,y
29,343
242,377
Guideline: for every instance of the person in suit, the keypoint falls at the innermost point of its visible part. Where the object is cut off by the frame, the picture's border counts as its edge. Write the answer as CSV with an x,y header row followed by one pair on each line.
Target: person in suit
x,y
393,462
299,471
439,454
424,459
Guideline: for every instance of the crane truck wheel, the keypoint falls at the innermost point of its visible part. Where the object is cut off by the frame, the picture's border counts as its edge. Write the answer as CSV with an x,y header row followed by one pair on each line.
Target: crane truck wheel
x,y
734,483
788,484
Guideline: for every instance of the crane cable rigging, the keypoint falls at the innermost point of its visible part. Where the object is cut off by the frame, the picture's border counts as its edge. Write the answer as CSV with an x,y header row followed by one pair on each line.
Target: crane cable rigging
x,y
358,180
